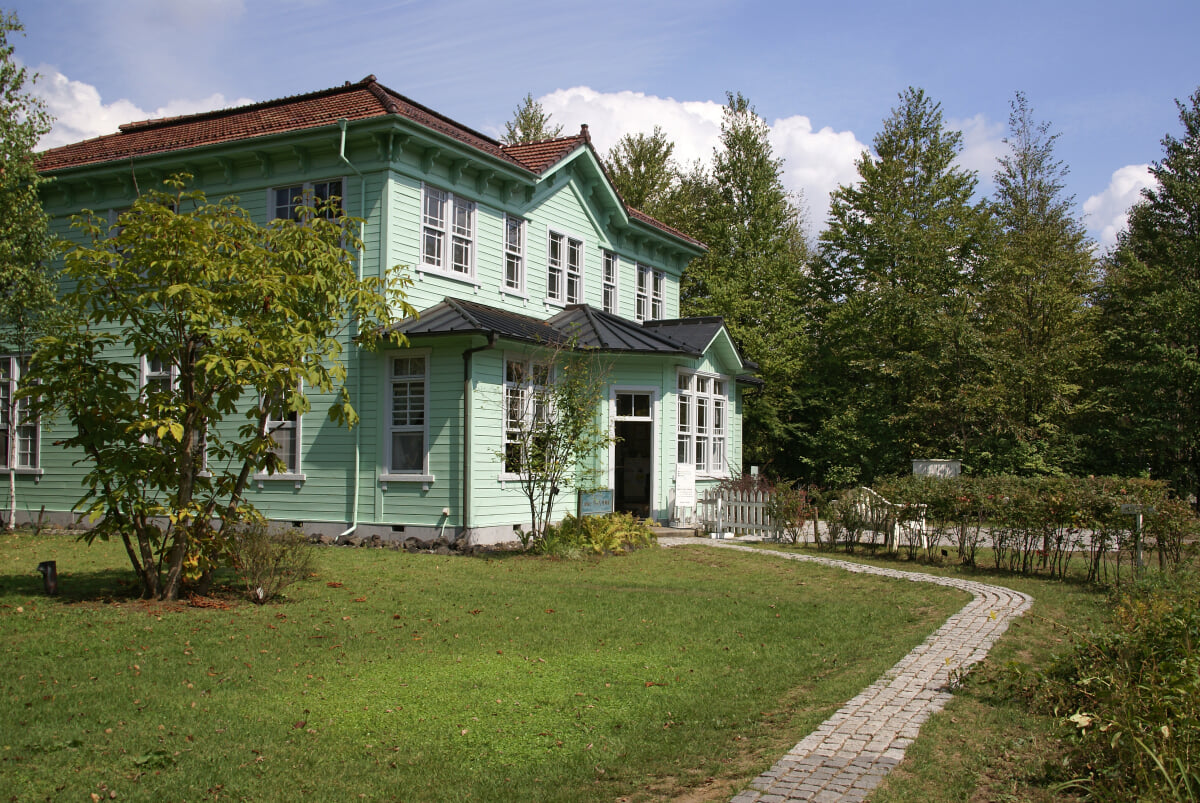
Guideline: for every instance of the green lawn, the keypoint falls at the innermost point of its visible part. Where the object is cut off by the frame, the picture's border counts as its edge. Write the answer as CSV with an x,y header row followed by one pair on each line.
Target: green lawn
x,y
391,676
986,746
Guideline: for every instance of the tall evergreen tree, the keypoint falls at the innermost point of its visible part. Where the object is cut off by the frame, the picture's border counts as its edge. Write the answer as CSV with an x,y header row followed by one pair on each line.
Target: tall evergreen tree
x,y
641,169
1150,322
27,288
900,346
753,275
530,123
1037,284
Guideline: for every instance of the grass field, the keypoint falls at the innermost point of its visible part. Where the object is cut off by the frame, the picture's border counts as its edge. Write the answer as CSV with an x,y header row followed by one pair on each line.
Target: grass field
x,y
986,746
664,674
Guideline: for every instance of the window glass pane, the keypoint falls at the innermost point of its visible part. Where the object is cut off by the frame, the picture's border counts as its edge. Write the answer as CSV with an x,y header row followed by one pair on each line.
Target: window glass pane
x,y
624,404
462,217
431,251
435,204
408,451
641,405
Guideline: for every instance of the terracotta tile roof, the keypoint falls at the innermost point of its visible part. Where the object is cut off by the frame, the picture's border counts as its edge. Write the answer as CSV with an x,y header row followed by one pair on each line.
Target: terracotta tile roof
x,y
359,101
537,156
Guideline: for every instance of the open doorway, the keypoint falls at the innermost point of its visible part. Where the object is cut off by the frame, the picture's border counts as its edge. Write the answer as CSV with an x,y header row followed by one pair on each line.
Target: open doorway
x,y
633,453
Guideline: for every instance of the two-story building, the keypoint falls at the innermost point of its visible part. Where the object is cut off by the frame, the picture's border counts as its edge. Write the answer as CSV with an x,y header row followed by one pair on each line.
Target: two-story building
x,y
510,248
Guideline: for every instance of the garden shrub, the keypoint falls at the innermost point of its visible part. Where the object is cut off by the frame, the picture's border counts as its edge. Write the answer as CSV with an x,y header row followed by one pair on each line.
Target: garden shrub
x,y
614,533
1131,694
268,558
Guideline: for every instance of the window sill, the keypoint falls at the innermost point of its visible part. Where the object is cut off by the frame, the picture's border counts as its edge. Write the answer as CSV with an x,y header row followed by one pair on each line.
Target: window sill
x,y
448,274
36,473
298,479
425,479
514,293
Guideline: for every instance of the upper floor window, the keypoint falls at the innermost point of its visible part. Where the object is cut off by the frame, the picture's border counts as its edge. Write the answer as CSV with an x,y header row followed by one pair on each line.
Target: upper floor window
x,y
19,432
447,232
405,425
564,269
514,254
287,201
701,422
649,293
610,282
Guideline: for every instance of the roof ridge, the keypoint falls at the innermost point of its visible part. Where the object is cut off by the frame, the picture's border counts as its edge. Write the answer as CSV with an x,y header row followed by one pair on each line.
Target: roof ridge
x,y
162,122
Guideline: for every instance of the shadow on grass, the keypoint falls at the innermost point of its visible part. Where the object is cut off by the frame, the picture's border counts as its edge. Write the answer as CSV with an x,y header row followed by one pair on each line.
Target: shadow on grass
x,y
102,585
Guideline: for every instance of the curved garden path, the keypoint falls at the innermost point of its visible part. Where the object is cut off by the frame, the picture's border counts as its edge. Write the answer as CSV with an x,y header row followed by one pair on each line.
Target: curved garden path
x,y
849,753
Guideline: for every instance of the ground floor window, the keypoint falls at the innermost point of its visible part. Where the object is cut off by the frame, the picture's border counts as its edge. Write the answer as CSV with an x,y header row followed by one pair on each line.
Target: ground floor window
x,y
526,401
701,422
284,427
19,432
406,431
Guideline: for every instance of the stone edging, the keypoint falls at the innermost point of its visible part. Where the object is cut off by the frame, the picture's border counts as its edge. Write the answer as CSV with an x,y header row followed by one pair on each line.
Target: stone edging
x,y
849,753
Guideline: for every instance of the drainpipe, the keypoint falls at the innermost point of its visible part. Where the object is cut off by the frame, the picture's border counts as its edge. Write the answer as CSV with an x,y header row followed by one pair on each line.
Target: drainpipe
x,y
343,123
466,473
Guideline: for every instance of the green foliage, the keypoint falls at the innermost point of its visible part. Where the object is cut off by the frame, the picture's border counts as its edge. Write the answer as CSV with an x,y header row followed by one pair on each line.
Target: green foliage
x,y
1038,336
1149,301
247,318
530,123
641,169
28,300
753,276
613,534
1133,694
268,558
898,350
1040,524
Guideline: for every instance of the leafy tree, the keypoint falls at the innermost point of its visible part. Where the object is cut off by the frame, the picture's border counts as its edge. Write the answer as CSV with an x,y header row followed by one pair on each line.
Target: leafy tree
x,y
899,348
530,123
754,272
1150,323
551,431
27,287
1038,334
248,319
641,169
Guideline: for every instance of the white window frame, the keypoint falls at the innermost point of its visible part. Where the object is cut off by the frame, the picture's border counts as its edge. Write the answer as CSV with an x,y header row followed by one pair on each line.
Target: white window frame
x,y
390,380
170,372
610,300
518,391
290,473
28,458
702,422
310,193
514,256
561,272
455,236
649,293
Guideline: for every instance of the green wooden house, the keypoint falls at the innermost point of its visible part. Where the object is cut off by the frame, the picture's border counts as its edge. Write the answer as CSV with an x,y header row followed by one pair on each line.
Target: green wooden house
x,y
509,247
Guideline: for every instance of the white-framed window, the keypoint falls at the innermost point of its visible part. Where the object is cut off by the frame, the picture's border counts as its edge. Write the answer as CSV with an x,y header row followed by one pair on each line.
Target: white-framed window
x,y
20,435
162,377
447,232
514,254
649,293
611,266
525,406
701,422
284,425
286,202
564,269
405,451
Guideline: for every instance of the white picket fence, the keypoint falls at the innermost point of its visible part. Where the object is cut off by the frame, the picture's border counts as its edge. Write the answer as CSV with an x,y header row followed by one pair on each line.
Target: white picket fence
x,y
741,512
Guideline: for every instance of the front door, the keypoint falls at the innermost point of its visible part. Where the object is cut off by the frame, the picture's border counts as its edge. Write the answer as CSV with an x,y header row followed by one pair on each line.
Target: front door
x,y
633,453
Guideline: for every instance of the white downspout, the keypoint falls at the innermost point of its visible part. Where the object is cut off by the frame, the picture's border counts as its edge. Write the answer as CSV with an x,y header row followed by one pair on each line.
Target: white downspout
x,y
343,123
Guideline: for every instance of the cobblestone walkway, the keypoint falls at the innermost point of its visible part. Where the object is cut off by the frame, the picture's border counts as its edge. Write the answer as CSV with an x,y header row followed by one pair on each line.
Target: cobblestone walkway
x,y
849,753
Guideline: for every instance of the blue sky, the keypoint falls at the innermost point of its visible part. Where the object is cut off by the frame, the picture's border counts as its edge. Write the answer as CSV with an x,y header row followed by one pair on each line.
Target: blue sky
x,y
823,75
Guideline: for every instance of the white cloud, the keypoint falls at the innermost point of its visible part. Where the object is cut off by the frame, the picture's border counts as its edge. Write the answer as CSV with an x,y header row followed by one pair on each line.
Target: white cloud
x,y
983,144
1107,213
80,113
814,162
